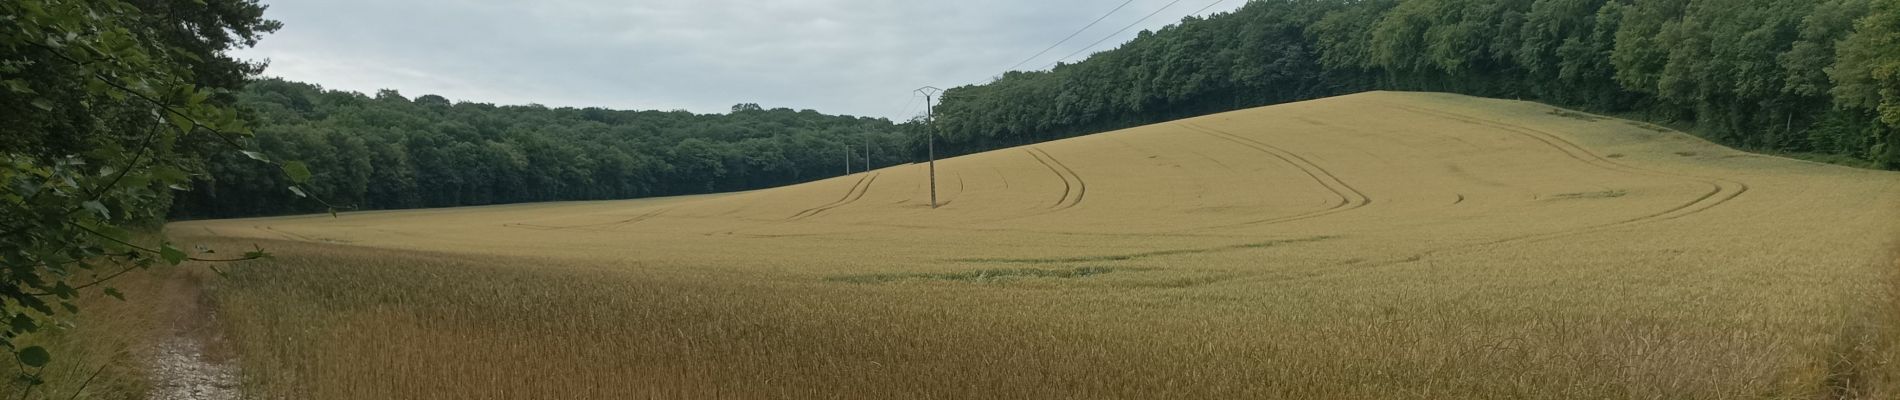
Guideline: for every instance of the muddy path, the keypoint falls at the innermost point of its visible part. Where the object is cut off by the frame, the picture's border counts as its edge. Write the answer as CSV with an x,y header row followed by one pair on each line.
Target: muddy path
x,y
186,362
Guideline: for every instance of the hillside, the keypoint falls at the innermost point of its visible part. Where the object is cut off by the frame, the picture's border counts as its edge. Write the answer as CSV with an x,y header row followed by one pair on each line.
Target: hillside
x,y
1776,76
1798,78
1359,246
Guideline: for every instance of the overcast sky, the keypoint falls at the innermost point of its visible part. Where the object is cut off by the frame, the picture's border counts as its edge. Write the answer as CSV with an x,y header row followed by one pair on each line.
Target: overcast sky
x,y
857,57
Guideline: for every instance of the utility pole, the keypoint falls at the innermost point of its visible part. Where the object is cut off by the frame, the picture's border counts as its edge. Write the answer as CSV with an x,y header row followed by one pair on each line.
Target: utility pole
x,y
867,151
930,133
847,159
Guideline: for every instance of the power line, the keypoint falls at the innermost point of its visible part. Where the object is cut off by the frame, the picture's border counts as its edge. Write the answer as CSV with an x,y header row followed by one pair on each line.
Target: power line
x,y
1198,12
1071,36
905,111
912,110
1118,32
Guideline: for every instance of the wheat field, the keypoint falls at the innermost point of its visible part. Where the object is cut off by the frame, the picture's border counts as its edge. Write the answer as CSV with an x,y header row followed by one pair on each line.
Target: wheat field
x,y
1378,245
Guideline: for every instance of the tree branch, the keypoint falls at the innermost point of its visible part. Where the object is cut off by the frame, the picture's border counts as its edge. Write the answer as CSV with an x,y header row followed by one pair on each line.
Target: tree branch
x,y
145,146
96,282
150,250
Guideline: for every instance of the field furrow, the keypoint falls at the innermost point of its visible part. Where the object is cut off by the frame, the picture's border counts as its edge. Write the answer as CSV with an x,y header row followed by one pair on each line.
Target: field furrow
x,y
1451,247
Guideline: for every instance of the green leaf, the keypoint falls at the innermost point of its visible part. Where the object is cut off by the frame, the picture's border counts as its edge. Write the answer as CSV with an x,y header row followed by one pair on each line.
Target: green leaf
x,y
297,171
23,323
172,255
114,292
64,291
34,356
170,174
298,191
184,125
255,155
195,97
98,208
35,303
115,233
17,86
43,104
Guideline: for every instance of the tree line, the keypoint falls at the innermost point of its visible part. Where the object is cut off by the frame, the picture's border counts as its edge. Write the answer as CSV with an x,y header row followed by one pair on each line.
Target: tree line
x,y
390,152
1788,76
1785,76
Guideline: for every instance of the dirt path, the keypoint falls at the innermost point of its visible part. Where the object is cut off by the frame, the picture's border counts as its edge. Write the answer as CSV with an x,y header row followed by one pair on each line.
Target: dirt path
x,y
183,367
180,371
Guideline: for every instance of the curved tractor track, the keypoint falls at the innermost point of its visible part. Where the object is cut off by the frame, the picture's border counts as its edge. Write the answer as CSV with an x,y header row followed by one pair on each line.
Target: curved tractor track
x,y
857,191
1073,187
594,227
1349,198
1720,190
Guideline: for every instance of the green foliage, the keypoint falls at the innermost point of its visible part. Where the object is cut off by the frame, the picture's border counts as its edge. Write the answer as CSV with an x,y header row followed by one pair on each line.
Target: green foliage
x,y
1868,73
108,105
1774,75
388,152
34,356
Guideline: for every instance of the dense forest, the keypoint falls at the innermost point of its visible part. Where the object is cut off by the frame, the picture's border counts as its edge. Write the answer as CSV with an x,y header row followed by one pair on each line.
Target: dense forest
x,y
1785,76
391,152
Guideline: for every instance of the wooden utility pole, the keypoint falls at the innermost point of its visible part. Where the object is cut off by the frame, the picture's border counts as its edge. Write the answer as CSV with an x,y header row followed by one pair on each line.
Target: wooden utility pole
x,y
847,159
930,133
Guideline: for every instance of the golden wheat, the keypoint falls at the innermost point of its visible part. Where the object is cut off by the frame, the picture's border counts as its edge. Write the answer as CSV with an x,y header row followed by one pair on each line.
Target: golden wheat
x,y
1380,245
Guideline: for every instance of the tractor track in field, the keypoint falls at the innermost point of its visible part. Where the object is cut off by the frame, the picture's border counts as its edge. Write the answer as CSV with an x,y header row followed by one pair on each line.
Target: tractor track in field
x,y
1720,190
595,227
887,227
641,217
288,235
273,232
1049,162
1350,198
846,197
959,183
1078,189
861,192
1072,193
1081,186
858,189
1065,179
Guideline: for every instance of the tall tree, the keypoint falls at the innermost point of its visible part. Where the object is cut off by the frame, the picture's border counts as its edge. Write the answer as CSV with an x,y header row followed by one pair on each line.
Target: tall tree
x,y
110,106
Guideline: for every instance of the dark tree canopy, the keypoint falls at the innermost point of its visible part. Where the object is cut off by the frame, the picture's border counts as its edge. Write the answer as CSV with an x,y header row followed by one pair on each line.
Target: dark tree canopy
x,y
389,152
1795,76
